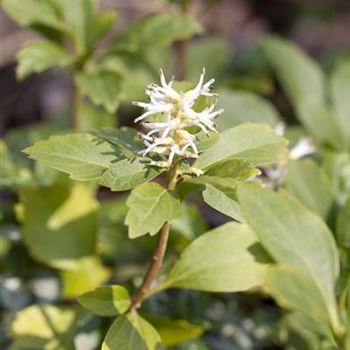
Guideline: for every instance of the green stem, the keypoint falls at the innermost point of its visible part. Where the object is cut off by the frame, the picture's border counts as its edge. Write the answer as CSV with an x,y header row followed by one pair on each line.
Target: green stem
x,y
158,256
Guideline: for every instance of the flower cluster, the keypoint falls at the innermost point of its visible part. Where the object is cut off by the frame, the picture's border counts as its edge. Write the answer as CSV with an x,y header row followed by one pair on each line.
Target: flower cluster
x,y
169,115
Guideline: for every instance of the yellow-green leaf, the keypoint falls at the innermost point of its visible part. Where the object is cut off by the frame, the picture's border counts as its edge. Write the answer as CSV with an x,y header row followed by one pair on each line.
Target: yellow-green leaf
x,y
150,206
43,327
83,156
256,144
37,56
55,227
226,259
82,275
106,300
132,332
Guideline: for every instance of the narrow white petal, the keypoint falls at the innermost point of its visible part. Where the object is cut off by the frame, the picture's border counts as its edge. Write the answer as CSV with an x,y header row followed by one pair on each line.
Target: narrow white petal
x,y
302,148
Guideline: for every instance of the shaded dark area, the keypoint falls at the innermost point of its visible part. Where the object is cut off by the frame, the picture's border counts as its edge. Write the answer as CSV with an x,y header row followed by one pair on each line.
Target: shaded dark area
x,y
320,27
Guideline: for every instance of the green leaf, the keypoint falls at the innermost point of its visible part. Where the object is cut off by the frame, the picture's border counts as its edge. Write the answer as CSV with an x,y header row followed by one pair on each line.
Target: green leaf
x,y
337,167
60,222
340,90
81,275
37,56
78,17
343,225
132,332
225,175
189,223
106,300
127,139
295,236
21,137
294,289
304,84
314,333
127,174
308,182
12,176
102,24
174,332
223,202
233,169
83,156
32,12
348,306
204,53
299,74
241,107
253,143
103,87
43,327
93,117
156,30
150,206
226,259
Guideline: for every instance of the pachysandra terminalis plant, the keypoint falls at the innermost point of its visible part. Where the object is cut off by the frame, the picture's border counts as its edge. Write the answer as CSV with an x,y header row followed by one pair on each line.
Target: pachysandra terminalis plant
x,y
170,140
180,141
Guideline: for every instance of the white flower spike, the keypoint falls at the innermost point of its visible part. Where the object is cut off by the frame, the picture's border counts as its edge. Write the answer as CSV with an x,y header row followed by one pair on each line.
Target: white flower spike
x,y
168,116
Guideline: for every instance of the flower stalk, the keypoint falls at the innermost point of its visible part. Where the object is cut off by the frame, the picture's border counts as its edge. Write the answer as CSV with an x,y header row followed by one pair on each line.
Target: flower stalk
x,y
158,257
169,119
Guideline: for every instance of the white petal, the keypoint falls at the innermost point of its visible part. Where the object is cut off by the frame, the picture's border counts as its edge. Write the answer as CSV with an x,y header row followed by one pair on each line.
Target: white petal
x,y
302,148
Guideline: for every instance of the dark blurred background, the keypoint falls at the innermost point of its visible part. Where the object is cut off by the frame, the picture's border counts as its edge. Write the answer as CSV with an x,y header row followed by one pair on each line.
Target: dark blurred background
x,y
321,27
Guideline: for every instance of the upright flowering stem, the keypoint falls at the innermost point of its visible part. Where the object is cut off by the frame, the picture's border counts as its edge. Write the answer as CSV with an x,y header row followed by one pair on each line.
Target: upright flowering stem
x,y
158,257
168,119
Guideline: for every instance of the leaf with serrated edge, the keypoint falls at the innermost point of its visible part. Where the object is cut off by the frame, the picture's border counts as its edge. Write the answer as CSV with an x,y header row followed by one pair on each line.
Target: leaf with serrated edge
x,y
125,138
104,88
132,332
106,300
83,156
150,206
226,259
127,174
37,56
159,29
254,143
235,169
32,12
